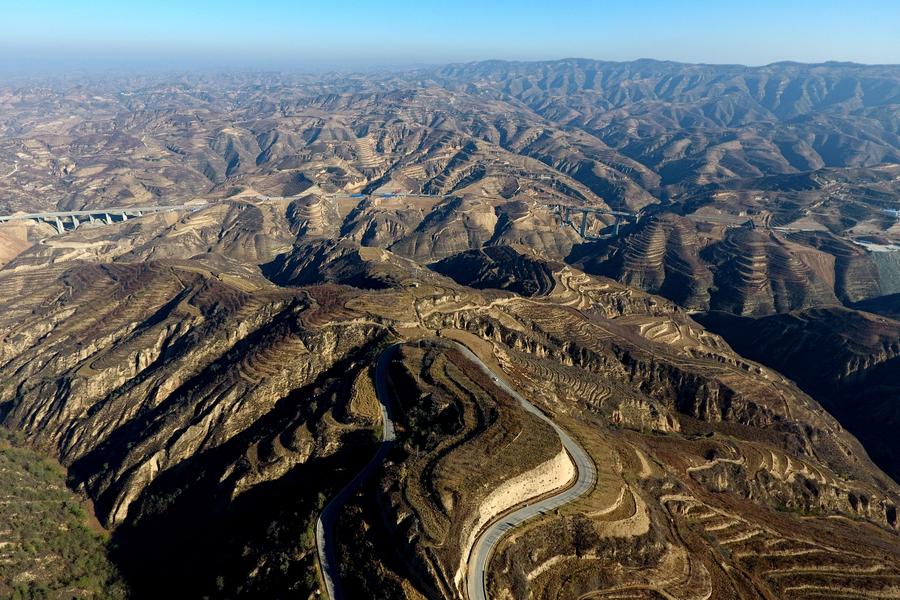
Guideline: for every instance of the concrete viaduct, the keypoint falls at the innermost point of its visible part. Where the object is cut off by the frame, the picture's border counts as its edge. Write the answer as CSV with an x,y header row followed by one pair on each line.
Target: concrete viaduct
x,y
71,219
567,212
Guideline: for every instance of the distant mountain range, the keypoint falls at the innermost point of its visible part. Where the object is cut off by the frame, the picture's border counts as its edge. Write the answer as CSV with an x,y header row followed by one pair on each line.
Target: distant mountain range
x,y
692,270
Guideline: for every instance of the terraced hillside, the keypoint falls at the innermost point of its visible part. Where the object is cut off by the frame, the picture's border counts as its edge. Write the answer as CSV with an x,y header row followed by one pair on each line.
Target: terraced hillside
x,y
743,270
846,358
208,377
662,256
196,413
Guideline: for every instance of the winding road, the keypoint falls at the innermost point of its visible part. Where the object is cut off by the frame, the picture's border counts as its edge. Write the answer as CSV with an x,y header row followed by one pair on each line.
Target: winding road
x,y
481,553
328,518
480,557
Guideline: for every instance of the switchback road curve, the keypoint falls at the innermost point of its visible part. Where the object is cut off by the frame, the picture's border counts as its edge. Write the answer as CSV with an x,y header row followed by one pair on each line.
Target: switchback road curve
x,y
482,551
480,557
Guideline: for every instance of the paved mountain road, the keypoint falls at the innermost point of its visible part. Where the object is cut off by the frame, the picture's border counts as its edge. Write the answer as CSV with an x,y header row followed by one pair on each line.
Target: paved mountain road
x,y
480,557
328,518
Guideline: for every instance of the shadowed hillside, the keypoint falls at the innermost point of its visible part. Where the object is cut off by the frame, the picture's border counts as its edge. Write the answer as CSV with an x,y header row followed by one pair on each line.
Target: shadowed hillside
x,y
590,329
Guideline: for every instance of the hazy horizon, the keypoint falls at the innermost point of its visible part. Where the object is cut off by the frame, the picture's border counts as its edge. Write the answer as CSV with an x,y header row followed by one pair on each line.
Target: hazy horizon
x,y
449,300
125,65
353,35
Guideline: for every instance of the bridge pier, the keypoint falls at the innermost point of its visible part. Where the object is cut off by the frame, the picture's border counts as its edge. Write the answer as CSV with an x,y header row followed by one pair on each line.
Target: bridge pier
x,y
565,216
73,219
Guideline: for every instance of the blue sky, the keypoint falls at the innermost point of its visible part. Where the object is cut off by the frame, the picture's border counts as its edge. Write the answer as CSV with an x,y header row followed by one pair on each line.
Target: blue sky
x,y
358,33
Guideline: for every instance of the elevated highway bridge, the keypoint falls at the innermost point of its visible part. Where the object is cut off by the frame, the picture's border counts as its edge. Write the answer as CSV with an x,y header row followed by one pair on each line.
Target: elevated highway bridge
x,y
71,219
583,220
577,217
568,214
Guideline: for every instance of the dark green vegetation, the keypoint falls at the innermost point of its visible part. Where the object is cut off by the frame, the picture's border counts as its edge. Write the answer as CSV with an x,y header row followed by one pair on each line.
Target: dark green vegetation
x,y
48,548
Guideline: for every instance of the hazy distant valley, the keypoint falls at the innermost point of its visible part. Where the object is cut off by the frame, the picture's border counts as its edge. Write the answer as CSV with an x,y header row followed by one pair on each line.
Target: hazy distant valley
x,y
692,271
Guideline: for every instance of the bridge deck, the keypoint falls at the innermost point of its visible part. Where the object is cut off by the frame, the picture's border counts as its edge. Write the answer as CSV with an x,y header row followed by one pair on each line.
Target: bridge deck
x,y
116,210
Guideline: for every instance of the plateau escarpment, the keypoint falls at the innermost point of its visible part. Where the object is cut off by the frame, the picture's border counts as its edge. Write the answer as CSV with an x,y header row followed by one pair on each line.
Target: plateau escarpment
x,y
206,418
620,242
163,389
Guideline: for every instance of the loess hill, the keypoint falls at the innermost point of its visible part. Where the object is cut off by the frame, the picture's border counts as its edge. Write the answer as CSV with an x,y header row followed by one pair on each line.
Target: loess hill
x,y
207,377
209,411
